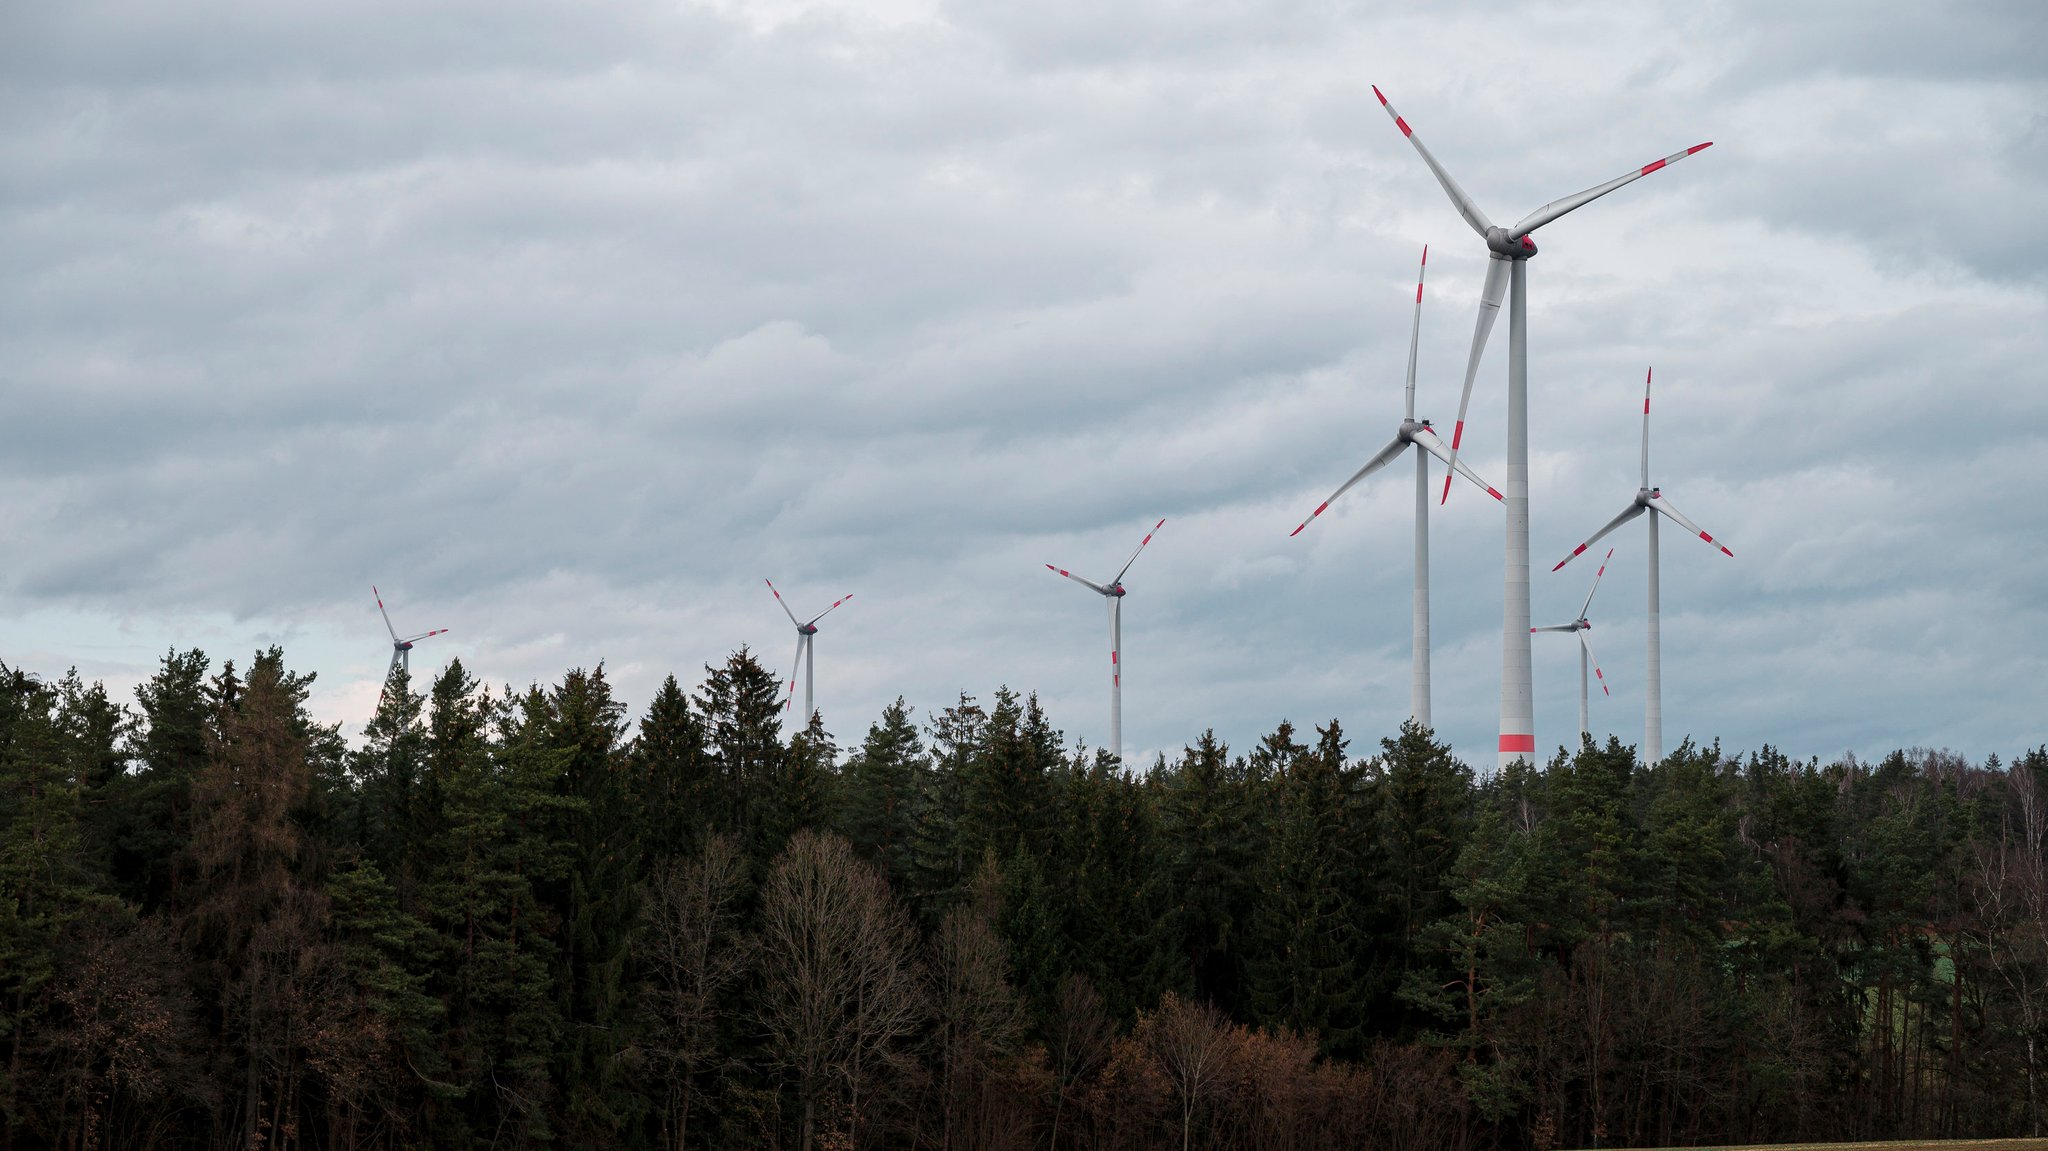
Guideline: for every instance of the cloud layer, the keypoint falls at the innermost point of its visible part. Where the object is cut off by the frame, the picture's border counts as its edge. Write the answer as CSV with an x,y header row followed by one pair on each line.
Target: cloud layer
x,y
567,325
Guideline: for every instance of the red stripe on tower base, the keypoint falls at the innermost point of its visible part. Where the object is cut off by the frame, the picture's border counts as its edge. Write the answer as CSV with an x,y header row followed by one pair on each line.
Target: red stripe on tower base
x,y
1518,743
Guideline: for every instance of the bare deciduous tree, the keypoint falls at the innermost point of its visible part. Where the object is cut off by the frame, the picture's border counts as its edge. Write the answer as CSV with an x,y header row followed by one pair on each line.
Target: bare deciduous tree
x,y
1078,1040
1194,1045
694,952
978,1015
841,994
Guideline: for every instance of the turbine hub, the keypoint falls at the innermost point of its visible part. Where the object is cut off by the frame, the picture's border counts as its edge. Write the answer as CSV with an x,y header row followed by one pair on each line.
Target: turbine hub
x,y
1499,244
1117,590
1410,427
806,629
405,647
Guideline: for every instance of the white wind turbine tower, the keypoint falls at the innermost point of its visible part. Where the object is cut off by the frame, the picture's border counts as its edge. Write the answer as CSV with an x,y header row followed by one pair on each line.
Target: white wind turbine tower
x,y
1419,434
1652,500
804,631
1580,627
1510,249
401,649
1114,593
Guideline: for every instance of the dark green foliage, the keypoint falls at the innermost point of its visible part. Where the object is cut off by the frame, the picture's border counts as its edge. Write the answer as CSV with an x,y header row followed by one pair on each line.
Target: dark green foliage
x,y
516,920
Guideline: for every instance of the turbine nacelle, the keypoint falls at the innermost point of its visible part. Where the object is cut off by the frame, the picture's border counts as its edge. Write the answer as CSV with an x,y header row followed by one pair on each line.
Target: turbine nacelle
x,y
1507,245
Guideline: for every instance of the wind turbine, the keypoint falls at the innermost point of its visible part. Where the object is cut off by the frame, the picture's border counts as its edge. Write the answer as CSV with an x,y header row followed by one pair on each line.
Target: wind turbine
x,y
401,649
1510,249
1114,593
1581,627
804,631
1652,500
1419,434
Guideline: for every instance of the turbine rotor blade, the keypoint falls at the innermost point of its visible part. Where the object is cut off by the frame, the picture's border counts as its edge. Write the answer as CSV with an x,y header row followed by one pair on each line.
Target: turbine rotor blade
x,y
1646,426
1415,330
1134,552
1434,445
1556,208
779,602
796,663
828,611
1555,627
1464,203
1595,661
1090,584
1386,456
1633,511
385,614
1489,310
1596,583
1663,505
424,635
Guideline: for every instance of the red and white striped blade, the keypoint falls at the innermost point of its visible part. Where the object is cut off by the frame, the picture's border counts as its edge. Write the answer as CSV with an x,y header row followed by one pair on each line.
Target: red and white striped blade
x,y
1556,627
1596,583
1663,505
1464,203
1077,579
1490,296
1386,455
1134,552
1415,331
1633,511
780,603
828,611
1595,661
1434,445
1556,208
425,635
385,614
1646,425
795,669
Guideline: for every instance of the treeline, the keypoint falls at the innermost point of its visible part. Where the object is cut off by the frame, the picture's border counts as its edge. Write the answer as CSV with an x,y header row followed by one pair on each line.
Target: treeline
x,y
518,918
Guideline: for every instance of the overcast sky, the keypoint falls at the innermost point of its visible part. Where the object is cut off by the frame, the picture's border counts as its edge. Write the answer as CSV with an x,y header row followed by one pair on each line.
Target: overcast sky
x,y
566,324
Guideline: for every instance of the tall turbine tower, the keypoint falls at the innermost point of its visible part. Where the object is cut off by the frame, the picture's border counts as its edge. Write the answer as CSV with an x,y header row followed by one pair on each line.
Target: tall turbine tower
x,y
401,649
1418,433
1580,627
1650,499
1115,594
804,631
1510,249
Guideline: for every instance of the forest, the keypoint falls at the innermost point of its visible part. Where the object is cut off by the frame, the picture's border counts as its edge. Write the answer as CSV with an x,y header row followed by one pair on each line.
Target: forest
x,y
524,918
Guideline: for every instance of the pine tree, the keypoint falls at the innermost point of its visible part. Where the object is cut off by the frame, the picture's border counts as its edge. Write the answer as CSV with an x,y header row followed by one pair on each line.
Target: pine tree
x,y
1207,818
672,771
1306,972
882,783
737,704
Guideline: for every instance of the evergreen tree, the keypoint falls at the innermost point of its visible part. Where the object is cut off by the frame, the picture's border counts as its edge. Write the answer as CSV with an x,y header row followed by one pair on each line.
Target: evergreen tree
x,y
739,712
673,774
878,802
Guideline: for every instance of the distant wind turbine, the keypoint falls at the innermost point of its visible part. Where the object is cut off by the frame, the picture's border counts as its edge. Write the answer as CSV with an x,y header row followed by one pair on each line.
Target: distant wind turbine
x,y
1114,592
1652,500
1580,627
401,649
804,631
1418,433
1510,249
